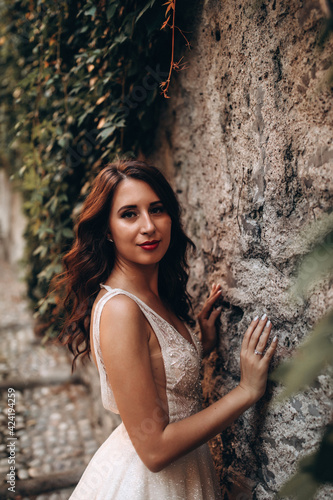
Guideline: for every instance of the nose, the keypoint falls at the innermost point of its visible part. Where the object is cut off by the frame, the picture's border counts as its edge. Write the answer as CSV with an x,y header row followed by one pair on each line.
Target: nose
x,y
147,224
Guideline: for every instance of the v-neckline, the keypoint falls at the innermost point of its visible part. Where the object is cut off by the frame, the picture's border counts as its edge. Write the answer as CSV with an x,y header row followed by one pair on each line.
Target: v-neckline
x,y
192,344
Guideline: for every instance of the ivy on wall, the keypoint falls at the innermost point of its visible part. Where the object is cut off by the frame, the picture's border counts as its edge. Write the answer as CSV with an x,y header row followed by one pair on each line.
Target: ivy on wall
x,y
81,85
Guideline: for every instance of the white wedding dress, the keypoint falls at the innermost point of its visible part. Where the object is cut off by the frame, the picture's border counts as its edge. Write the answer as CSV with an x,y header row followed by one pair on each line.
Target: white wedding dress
x,y
116,472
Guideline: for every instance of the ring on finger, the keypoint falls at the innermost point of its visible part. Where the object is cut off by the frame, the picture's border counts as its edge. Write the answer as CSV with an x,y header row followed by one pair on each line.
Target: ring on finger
x,y
258,352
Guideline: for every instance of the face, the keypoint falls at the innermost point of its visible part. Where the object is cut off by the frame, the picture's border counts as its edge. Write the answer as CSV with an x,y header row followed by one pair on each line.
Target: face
x,y
139,224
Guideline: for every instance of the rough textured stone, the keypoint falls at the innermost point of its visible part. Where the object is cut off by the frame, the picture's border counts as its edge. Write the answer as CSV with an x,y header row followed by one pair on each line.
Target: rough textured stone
x,y
246,141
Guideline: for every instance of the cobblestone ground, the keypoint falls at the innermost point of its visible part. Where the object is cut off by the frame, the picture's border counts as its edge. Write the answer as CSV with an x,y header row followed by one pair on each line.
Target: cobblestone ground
x,y
54,427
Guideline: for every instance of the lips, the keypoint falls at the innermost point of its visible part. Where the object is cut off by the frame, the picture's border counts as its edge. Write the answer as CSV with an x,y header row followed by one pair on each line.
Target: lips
x,y
149,242
150,245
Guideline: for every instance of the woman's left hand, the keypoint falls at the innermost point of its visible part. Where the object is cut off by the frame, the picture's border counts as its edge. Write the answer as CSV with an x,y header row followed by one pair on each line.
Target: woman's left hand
x,y
207,318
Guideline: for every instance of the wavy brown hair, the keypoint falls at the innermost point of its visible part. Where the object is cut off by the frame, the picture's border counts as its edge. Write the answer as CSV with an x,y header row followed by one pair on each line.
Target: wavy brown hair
x,y
91,259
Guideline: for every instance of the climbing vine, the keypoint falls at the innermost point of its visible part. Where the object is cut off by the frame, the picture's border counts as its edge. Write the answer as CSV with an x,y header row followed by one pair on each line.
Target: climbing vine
x,y
171,4
83,82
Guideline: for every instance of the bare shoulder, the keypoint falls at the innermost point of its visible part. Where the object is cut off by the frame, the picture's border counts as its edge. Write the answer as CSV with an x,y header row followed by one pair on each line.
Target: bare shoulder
x,y
122,314
121,307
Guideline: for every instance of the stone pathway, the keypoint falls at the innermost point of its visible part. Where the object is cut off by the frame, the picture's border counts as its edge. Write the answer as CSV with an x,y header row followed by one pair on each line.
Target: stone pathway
x,y
54,435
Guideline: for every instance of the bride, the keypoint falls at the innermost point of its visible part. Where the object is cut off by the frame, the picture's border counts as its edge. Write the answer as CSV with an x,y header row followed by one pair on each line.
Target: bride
x,y
125,279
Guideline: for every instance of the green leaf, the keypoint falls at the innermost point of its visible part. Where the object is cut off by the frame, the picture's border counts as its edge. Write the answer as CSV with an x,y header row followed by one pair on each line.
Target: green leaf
x,y
43,230
62,141
110,11
118,40
67,232
90,12
309,359
313,470
316,265
319,261
146,7
49,271
83,29
41,250
302,486
82,118
322,464
106,132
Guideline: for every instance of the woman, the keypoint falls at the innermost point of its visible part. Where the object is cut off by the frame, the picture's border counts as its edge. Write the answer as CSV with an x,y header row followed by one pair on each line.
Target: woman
x,y
129,257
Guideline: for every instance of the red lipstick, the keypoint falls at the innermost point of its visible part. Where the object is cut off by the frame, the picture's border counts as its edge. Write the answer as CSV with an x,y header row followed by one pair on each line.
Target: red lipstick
x,y
150,245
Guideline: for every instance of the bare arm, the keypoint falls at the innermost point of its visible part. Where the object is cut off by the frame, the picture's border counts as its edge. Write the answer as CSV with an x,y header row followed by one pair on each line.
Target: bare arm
x,y
124,346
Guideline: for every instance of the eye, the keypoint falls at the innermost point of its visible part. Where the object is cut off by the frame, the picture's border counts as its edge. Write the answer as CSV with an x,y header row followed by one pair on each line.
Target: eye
x,y
128,215
157,210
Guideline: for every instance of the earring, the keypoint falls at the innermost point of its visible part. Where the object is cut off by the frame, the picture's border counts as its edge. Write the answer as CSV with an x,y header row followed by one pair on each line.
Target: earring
x,y
109,239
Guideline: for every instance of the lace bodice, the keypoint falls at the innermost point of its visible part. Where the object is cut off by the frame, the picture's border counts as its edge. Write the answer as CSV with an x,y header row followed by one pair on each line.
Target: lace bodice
x,y
182,361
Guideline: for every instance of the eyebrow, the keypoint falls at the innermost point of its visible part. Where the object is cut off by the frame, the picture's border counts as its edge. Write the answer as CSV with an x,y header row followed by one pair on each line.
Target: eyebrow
x,y
135,206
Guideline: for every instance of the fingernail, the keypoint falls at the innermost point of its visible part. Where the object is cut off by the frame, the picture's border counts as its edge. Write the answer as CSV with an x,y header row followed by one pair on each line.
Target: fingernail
x,y
275,338
263,316
268,323
255,319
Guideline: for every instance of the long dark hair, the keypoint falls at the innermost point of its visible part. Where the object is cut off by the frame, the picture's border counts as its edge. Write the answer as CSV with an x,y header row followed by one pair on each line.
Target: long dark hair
x,y
91,258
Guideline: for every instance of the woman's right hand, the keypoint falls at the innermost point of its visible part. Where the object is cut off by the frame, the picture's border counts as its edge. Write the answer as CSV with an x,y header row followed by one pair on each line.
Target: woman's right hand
x,y
254,367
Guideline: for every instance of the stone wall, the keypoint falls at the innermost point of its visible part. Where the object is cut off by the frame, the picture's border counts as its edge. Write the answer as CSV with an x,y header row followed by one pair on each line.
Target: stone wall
x,y
246,140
